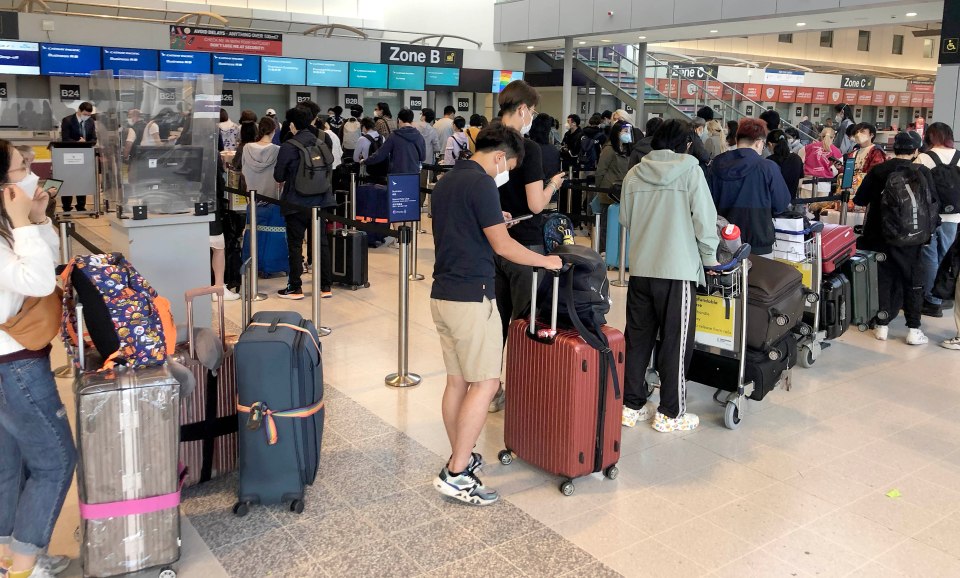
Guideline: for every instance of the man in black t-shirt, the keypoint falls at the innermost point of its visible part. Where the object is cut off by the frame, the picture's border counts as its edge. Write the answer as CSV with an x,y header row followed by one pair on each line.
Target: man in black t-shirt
x,y
523,194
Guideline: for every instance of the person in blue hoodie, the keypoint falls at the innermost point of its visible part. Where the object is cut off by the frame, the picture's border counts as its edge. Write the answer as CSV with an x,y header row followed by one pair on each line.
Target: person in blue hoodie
x,y
406,152
748,189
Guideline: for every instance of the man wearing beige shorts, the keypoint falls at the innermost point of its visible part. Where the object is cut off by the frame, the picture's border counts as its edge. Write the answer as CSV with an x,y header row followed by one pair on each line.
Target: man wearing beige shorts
x,y
468,229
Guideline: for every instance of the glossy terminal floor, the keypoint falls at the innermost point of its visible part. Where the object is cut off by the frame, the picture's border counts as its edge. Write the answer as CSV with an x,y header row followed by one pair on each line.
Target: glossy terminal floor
x,y
855,472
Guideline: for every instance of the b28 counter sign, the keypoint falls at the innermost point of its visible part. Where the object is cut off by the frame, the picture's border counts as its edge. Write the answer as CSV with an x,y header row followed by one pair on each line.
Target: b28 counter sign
x,y
351,100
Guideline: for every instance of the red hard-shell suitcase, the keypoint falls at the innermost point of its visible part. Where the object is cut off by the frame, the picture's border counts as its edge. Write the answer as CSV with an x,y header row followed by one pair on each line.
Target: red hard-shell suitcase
x,y
557,417
838,244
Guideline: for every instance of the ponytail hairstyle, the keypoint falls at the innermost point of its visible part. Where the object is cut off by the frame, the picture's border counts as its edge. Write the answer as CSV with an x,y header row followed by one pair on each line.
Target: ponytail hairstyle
x,y
781,146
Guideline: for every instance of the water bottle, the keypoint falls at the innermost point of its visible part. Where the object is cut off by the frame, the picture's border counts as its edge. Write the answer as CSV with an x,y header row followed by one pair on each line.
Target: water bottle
x,y
730,239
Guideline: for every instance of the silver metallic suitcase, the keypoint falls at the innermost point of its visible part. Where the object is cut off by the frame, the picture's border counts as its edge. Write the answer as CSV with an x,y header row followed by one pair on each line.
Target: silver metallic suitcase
x,y
128,435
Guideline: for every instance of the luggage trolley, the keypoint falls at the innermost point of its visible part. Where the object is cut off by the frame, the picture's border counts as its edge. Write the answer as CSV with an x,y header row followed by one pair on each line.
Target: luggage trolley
x,y
811,337
722,331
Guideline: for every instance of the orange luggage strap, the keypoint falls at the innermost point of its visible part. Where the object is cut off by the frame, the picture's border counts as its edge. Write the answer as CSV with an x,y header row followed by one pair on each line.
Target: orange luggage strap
x,y
260,412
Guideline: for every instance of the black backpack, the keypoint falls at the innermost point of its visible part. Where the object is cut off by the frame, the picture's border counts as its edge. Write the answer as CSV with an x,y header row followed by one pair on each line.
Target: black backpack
x,y
946,179
589,152
464,153
315,169
380,169
908,212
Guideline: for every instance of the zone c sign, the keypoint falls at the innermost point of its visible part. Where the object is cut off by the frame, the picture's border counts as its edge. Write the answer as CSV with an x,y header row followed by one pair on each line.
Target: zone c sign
x,y
421,55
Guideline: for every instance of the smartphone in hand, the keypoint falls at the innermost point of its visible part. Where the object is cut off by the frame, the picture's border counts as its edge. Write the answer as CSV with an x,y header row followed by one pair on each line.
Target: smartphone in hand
x,y
52,187
516,220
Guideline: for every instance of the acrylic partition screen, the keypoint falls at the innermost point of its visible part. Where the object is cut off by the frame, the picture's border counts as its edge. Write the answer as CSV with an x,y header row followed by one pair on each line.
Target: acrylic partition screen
x,y
103,95
166,140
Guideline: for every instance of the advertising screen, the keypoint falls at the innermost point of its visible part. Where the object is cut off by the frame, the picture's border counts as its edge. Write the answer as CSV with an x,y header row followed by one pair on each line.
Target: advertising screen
x,y
68,60
501,78
237,67
19,57
291,71
328,73
442,77
406,77
184,64
117,59
364,75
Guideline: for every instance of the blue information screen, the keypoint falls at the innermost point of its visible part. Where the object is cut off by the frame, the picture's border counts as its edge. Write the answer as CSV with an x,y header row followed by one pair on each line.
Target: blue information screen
x,y
68,59
328,73
117,59
19,57
443,76
291,71
184,64
406,77
365,75
237,67
404,195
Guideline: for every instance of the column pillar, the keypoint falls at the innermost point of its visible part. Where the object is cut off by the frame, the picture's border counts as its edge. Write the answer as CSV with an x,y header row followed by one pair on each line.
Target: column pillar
x,y
567,78
640,115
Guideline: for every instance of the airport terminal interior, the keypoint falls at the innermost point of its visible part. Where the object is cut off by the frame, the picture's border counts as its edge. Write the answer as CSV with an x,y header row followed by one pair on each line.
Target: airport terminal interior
x,y
848,466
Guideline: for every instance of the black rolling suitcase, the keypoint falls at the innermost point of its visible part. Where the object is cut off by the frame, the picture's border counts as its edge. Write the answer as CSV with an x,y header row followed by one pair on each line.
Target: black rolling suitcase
x,y
349,253
861,269
281,410
764,368
834,306
775,302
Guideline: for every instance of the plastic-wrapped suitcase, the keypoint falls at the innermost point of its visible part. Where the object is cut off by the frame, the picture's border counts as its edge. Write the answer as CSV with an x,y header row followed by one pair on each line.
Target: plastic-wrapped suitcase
x,y
127,475
208,418
775,302
280,385
835,305
861,269
562,412
349,254
765,369
838,244
613,238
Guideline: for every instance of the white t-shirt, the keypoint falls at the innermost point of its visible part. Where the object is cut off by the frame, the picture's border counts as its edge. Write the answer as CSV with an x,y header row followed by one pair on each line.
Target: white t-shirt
x,y
337,148
946,155
151,135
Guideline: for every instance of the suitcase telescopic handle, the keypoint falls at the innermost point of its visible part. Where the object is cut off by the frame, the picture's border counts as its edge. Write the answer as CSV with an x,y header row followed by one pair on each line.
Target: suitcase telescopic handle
x,y
190,296
533,301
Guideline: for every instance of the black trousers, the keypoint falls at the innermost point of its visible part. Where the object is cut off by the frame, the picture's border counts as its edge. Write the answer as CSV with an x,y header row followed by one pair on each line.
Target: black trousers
x,y
667,308
297,226
66,203
900,281
513,288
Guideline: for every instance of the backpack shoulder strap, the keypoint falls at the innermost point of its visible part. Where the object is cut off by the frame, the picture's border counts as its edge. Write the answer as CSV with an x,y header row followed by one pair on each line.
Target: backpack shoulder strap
x,y
935,158
955,159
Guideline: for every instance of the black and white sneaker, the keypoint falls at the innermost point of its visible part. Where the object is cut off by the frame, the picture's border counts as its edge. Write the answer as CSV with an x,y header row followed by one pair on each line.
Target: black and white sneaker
x,y
292,294
465,487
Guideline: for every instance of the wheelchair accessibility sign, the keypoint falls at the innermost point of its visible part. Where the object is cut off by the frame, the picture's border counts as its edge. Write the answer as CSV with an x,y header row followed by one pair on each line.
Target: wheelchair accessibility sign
x,y
716,324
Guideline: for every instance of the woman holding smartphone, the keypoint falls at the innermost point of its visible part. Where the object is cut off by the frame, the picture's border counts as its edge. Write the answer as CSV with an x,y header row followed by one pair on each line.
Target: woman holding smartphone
x,y
34,433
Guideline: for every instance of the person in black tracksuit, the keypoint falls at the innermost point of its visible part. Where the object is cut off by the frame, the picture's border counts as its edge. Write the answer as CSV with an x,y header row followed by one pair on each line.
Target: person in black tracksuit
x,y
900,276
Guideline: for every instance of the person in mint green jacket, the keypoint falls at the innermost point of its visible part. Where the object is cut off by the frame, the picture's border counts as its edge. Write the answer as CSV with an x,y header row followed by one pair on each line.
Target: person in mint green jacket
x,y
667,207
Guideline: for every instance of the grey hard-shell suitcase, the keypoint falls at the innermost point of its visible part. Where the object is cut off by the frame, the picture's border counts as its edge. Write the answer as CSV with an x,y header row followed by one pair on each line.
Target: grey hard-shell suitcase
x,y
862,270
280,386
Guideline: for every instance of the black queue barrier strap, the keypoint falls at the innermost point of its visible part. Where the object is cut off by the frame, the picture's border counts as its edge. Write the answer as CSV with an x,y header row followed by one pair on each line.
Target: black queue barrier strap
x,y
369,227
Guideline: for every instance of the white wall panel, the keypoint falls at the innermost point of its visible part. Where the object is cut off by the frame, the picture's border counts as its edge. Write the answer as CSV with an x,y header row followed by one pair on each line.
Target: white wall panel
x,y
620,20
791,6
514,19
746,8
693,11
544,18
647,14
576,17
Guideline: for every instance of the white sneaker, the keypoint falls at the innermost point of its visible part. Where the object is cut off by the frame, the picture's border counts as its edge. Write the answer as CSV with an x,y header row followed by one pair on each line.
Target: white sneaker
x,y
881,332
630,416
916,337
229,295
952,343
686,422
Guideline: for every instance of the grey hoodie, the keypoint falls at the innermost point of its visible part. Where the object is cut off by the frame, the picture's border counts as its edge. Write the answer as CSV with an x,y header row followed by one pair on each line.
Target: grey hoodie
x,y
258,164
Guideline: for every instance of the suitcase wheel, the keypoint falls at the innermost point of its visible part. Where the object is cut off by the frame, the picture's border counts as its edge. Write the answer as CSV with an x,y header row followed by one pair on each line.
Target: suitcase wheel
x,y
506,457
296,506
567,488
881,257
241,509
731,416
612,472
807,357
860,268
863,327
883,316
168,572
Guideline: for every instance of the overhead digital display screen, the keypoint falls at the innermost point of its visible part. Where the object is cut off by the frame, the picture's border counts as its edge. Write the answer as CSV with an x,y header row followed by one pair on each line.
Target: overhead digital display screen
x,y
366,75
442,77
501,78
68,59
117,59
291,71
406,77
328,73
237,67
19,57
184,64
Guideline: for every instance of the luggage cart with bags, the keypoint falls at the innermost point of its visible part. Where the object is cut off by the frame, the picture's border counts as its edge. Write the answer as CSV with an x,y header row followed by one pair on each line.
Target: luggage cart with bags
x,y
811,337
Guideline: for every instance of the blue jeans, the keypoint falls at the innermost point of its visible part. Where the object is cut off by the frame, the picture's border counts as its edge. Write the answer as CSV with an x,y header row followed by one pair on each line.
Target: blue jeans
x,y
933,254
37,454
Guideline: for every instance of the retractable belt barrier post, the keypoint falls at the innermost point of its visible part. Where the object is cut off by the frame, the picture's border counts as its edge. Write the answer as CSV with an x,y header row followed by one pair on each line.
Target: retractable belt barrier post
x,y
414,276
596,233
66,245
322,331
256,295
352,209
403,378
569,191
621,280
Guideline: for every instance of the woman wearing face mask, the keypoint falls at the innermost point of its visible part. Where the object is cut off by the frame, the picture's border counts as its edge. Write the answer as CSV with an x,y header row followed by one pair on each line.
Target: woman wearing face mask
x,y
540,134
714,142
611,170
842,122
385,125
35,436
820,161
791,165
868,156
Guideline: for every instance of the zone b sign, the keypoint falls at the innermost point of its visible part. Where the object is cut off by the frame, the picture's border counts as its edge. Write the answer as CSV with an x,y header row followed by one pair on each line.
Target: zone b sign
x,y
421,55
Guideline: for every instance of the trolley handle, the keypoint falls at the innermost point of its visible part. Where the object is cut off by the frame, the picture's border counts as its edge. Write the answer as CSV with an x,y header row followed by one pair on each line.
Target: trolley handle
x,y
815,227
545,335
738,258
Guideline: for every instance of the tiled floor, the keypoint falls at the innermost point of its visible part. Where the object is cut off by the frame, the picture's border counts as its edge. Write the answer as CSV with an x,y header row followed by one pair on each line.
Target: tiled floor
x,y
855,472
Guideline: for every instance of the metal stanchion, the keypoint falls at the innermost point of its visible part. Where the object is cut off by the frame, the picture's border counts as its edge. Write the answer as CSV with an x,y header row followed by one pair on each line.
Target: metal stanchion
x,y
569,209
403,378
66,245
315,226
414,276
254,256
621,280
352,201
596,232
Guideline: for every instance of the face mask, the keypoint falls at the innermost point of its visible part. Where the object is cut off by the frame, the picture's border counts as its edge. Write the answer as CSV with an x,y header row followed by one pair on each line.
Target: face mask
x,y
626,138
502,178
864,140
29,184
525,130
377,114
84,117
838,118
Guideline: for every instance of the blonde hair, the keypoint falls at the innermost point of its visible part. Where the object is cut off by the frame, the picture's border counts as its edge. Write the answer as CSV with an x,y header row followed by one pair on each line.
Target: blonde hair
x,y
715,128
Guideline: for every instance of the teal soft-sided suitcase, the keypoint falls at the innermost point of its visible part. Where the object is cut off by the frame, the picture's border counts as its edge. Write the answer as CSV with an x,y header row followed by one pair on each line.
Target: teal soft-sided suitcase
x,y
861,269
613,238
280,387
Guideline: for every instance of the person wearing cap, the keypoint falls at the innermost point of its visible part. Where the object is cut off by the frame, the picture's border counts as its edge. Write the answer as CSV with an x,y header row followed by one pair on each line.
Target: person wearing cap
x,y
901,274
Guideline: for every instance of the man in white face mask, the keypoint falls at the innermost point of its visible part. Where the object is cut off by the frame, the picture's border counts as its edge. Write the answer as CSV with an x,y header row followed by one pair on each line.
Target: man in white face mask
x,y
463,297
524,193
78,127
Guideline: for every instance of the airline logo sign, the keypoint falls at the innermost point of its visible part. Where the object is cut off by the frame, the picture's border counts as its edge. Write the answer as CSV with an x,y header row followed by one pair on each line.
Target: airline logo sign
x,y
421,55
771,93
892,98
836,96
858,82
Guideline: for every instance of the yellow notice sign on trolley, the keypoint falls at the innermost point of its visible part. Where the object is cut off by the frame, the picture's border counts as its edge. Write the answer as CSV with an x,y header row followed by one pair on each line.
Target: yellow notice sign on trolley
x,y
716,324
805,268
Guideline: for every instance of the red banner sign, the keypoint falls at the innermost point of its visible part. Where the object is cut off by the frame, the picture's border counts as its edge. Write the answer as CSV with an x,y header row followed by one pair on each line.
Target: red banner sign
x,y
221,40
865,97
892,98
715,89
904,99
916,99
926,87
879,98
850,96
821,95
788,94
770,93
804,95
836,96
753,91
928,100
